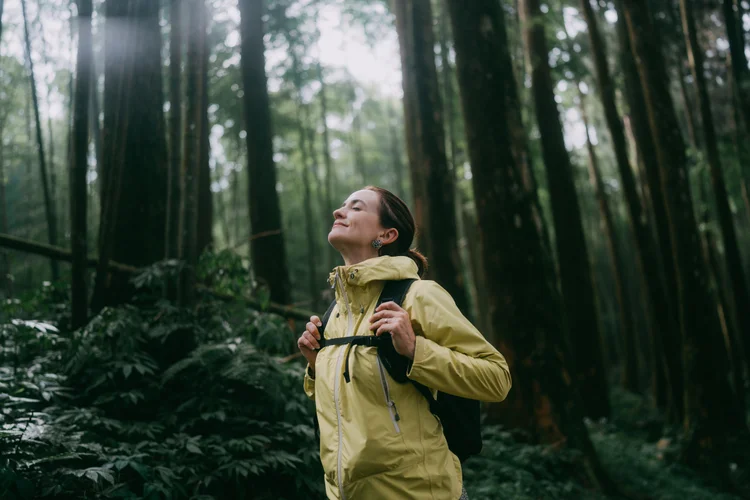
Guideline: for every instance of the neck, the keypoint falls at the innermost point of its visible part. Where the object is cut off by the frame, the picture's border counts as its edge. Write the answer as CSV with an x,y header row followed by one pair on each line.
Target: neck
x,y
353,256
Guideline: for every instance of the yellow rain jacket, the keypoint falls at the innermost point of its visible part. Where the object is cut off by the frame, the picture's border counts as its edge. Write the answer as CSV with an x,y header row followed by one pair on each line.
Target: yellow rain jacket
x,y
378,439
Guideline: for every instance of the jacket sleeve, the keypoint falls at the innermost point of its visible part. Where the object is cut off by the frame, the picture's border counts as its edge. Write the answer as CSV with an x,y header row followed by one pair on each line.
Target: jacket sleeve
x,y
309,383
451,355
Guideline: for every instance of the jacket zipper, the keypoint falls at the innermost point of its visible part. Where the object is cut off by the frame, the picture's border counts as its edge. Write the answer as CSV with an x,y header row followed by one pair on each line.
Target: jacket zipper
x,y
337,384
388,401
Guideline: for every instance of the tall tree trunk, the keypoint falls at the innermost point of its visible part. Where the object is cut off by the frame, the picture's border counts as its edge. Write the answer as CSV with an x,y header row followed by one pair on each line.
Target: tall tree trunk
x,y
48,203
134,146
96,129
396,155
740,73
659,321
330,174
310,232
575,273
707,393
79,167
171,240
729,236
689,115
355,136
668,376
426,144
267,240
1,19
626,331
192,154
742,149
205,236
6,283
525,313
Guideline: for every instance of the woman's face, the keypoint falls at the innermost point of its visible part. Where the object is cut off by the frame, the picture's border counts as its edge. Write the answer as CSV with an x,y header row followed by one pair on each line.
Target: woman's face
x,y
357,222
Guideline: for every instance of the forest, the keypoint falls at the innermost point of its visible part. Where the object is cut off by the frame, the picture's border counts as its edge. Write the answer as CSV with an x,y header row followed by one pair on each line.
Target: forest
x,y
579,171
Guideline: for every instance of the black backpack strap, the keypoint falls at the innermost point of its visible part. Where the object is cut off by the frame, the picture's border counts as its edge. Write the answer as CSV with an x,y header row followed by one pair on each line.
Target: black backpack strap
x,y
396,364
326,317
395,291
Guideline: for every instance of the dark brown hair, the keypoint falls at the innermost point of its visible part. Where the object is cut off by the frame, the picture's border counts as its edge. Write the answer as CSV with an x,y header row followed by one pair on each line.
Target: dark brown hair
x,y
395,214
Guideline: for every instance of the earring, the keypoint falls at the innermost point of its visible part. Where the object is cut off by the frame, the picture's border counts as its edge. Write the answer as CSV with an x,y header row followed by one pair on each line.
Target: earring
x,y
377,243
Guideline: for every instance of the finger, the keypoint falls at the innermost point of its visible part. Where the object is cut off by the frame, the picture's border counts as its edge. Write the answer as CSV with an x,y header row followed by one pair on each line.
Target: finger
x,y
313,341
390,305
387,328
381,322
313,330
303,344
316,321
382,314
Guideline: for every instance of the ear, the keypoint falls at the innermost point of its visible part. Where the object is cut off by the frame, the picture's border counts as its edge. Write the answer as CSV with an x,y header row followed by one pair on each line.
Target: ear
x,y
389,236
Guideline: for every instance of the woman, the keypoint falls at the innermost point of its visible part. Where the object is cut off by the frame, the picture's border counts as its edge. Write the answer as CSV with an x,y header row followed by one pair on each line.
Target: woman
x,y
378,439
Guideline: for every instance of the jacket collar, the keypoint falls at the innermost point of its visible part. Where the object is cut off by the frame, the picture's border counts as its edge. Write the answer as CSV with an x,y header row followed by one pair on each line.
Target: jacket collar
x,y
381,268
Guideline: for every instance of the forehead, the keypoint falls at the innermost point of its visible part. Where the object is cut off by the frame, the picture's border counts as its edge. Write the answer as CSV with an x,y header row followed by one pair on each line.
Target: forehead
x,y
369,197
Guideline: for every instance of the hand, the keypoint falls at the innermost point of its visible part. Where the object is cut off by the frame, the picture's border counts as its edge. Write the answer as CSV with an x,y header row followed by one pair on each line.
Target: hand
x,y
389,317
308,342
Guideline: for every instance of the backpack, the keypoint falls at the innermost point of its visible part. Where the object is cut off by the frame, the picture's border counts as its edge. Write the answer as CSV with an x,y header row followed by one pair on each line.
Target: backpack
x,y
460,417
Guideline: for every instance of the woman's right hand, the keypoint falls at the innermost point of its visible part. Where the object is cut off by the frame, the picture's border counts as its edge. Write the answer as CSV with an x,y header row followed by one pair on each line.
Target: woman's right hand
x,y
308,341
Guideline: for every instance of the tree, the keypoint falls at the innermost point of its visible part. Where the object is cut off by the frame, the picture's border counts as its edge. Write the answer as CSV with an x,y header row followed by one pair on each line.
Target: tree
x,y
135,163
172,239
575,273
667,375
49,208
660,319
740,73
525,313
79,167
266,240
432,181
708,396
729,236
204,237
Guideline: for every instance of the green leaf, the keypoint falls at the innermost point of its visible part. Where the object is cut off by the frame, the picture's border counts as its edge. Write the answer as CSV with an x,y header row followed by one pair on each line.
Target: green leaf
x,y
193,449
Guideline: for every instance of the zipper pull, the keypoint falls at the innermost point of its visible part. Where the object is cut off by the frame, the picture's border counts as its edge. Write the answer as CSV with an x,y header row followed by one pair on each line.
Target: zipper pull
x,y
361,309
392,404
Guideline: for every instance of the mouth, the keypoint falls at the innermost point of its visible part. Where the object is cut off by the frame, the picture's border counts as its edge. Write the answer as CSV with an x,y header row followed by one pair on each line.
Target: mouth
x,y
339,224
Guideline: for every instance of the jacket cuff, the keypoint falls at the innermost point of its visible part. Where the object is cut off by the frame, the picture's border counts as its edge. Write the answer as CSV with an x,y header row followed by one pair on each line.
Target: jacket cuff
x,y
309,383
414,368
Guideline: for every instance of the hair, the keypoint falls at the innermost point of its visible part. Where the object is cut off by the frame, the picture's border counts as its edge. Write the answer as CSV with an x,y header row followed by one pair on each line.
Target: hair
x,y
395,214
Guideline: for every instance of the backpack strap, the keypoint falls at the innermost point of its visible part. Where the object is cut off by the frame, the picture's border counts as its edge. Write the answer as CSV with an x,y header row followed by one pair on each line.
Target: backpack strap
x,y
395,291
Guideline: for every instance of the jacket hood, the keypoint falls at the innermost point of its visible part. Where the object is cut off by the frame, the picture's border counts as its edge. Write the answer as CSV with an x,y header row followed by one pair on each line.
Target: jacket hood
x,y
376,269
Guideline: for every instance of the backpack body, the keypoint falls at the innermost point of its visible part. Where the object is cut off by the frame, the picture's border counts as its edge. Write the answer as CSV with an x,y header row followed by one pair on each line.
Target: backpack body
x,y
459,417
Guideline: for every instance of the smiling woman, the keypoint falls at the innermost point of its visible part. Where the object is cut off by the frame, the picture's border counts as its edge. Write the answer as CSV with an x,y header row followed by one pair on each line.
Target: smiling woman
x,y
378,437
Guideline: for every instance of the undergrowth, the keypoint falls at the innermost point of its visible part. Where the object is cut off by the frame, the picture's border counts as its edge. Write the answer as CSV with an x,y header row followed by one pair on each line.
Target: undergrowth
x,y
153,401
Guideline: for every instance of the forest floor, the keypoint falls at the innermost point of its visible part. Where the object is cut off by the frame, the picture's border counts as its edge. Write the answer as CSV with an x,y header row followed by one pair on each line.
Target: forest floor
x,y
633,446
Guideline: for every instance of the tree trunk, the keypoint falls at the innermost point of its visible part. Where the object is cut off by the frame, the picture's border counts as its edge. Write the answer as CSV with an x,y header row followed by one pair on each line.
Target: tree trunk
x,y
312,258
729,236
707,393
205,236
193,144
575,274
1,19
396,155
626,331
267,240
525,313
330,179
659,321
740,73
689,115
134,170
96,129
6,283
79,167
426,145
742,150
171,243
48,203
355,136
668,376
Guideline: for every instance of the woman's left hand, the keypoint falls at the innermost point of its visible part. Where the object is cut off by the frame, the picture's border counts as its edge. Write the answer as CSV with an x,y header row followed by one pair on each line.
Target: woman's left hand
x,y
389,317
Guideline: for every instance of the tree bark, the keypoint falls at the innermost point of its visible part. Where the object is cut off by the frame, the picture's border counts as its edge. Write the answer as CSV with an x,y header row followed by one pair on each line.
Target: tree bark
x,y
740,72
729,236
626,331
330,174
79,167
205,236
171,243
396,153
6,283
707,393
48,203
134,170
575,273
525,313
659,321
268,252
426,145
193,144
667,379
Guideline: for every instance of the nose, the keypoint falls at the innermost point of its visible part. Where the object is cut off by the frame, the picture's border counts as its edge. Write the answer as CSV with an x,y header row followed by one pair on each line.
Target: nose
x,y
338,214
